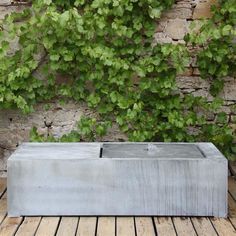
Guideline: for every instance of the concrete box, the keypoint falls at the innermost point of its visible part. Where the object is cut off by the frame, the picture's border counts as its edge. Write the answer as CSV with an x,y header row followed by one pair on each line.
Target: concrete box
x,y
174,179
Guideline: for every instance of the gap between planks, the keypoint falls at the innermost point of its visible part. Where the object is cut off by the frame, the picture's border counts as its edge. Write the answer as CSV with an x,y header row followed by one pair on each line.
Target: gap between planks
x,y
29,226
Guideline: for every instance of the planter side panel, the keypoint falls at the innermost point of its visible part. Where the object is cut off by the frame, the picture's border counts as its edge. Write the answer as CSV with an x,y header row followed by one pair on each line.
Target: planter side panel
x,y
118,187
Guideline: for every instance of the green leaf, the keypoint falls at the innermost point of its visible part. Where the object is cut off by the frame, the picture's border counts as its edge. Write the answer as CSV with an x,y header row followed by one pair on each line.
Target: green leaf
x,y
54,57
155,12
226,30
64,18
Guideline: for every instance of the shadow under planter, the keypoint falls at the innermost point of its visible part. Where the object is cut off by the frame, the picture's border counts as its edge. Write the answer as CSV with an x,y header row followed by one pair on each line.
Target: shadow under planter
x,y
174,179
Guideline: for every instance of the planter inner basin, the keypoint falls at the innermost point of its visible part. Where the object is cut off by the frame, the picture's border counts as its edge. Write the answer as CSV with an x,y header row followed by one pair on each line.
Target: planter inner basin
x,y
151,150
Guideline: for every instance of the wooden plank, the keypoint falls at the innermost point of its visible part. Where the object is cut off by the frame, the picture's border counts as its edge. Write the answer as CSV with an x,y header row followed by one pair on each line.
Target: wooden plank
x,y
144,226
164,226
232,210
10,225
232,201
232,186
47,226
231,207
223,227
87,226
232,167
3,207
183,226
3,185
106,226
203,226
68,226
125,226
29,226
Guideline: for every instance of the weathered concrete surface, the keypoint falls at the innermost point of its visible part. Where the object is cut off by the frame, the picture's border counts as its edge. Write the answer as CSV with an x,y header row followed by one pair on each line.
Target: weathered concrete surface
x,y
164,180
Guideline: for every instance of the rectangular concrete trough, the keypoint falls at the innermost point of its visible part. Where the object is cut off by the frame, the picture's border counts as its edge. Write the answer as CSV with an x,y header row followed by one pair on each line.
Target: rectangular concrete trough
x,y
182,179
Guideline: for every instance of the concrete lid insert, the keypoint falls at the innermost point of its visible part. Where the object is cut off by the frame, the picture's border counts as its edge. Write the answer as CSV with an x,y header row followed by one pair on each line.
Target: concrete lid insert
x,y
151,150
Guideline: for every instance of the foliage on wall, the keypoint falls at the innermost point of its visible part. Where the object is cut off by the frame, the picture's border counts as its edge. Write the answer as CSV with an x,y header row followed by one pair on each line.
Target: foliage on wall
x,y
217,40
105,52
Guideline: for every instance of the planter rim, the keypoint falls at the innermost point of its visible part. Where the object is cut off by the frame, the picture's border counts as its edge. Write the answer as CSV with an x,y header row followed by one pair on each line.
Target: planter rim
x,y
94,150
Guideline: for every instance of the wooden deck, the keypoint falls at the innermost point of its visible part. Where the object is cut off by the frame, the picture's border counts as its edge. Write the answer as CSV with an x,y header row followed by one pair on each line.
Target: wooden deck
x,y
118,226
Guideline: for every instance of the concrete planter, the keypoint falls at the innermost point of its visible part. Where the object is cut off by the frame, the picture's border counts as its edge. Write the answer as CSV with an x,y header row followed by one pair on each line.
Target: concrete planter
x,y
117,179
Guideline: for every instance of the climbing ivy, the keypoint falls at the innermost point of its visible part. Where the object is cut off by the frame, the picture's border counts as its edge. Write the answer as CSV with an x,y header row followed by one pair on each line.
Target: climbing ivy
x,y
105,53
216,40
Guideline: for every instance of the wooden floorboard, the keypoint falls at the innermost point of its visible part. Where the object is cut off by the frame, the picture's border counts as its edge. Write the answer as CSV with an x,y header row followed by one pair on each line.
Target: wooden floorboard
x,y
106,226
232,210
29,226
203,226
3,199
223,227
232,186
144,226
48,226
9,226
68,226
232,167
232,201
3,185
3,207
125,226
118,226
184,226
164,226
87,226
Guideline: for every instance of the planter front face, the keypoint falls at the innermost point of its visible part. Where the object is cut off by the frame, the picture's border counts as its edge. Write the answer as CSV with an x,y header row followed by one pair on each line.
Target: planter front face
x,y
117,179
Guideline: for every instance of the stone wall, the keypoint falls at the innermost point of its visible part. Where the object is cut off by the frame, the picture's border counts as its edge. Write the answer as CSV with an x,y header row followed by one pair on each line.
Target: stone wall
x,y
60,119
